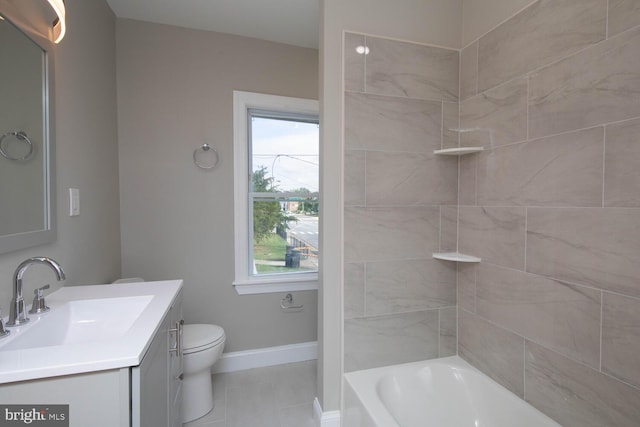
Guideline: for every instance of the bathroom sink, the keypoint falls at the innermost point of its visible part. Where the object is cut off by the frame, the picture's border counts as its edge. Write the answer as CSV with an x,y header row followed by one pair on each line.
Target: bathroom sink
x,y
89,328
78,322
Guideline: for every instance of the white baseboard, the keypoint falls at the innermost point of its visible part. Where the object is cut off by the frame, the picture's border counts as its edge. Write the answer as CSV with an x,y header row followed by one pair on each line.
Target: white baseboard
x,y
325,419
261,357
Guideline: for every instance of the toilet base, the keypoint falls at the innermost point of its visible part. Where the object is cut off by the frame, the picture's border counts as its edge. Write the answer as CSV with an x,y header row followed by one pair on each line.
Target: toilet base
x,y
197,392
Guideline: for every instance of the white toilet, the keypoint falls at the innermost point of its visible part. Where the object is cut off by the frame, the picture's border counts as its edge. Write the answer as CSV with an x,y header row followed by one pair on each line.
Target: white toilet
x,y
202,346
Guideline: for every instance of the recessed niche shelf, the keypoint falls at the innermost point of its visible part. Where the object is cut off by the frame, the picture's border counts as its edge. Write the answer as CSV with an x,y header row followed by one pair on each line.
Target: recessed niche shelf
x,y
460,151
456,257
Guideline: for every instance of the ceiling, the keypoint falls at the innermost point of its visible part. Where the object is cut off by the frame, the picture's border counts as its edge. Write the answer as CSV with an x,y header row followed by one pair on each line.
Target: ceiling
x,y
292,22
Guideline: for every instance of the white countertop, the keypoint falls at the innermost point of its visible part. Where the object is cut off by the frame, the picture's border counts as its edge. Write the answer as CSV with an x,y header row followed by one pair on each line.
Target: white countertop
x,y
128,350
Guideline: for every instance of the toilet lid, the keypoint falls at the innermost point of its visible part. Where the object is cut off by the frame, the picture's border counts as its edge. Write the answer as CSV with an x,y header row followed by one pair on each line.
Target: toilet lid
x,y
200,335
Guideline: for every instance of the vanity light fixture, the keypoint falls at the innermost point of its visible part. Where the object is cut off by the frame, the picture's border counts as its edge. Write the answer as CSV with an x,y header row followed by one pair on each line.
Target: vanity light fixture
x,y
362,50
59,25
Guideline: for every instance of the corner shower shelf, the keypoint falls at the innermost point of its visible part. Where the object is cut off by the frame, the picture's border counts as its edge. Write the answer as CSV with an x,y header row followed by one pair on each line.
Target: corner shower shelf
x,y
460,151
456,256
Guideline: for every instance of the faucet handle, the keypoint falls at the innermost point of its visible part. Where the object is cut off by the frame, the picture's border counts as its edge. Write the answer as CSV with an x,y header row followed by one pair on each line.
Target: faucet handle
x,y
3,331
39,305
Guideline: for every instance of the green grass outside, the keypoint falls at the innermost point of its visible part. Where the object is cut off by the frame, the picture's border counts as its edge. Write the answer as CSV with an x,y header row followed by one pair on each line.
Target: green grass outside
x,y
273,248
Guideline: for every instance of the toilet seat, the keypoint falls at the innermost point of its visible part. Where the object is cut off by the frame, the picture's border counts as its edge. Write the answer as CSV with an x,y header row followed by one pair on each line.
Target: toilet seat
x,y
200,337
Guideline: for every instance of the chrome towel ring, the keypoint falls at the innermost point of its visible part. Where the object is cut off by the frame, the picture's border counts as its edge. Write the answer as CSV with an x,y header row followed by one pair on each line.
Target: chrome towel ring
x,y
205,157
20,136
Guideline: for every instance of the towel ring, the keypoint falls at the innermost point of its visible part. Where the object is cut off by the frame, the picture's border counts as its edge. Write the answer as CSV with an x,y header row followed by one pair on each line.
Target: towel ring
x,y
205,157
21,136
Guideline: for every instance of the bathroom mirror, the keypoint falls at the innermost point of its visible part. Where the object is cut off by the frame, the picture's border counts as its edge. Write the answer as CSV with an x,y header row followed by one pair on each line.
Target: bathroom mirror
x,y
26,140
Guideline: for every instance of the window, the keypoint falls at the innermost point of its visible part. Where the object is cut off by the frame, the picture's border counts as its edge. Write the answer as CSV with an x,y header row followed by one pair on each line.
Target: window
x,y
276,160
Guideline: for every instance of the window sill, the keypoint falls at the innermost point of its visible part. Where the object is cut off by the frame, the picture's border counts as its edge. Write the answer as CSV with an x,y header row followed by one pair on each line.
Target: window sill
x,y
269,286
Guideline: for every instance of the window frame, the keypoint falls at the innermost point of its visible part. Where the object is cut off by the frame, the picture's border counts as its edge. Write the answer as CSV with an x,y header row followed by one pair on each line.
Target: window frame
x,y
245,283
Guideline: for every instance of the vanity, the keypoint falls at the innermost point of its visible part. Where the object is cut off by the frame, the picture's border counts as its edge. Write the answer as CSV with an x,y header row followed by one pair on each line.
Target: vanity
x,y
111,352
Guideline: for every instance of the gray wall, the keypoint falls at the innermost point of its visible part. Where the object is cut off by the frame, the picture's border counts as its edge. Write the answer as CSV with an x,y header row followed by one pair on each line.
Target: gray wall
x,y
400,102
175,92
551,206
88,246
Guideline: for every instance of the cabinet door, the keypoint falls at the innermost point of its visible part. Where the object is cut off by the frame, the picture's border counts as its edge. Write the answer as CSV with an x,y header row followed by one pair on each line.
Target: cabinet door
x,y
149,384
175,364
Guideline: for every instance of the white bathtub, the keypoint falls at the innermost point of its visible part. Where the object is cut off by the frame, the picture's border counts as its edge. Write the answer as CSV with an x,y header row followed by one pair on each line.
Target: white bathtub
x,y
445,392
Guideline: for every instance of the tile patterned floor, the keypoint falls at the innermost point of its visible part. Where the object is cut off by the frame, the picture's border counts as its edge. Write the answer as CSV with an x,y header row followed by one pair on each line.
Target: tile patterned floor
x,y
275,396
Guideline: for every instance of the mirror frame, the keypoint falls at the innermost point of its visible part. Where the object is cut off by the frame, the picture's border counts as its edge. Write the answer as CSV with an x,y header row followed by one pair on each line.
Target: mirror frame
x,y
48,234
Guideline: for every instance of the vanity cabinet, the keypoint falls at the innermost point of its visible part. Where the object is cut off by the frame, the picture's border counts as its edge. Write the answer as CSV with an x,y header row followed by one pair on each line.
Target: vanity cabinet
x,y
147,395
156,384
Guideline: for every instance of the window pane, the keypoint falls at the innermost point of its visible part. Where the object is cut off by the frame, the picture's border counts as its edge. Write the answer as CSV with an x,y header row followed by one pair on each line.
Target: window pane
x,y
283,194
285,236
285,155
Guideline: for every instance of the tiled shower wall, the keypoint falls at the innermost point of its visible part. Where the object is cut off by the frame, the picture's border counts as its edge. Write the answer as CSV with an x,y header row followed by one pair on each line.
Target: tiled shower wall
x,y
552,206
401,100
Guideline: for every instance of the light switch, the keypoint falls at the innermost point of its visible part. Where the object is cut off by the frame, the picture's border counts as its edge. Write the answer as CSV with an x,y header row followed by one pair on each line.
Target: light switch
x,y
74,202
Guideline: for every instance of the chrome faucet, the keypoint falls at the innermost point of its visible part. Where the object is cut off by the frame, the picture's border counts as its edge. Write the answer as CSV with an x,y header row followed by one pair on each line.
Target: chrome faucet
x,y
18,315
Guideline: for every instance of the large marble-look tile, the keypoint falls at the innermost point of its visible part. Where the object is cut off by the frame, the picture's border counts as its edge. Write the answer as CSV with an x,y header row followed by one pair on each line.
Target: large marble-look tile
x,y
263,411
495,117
400,179
560,316
353,290
598,85
297,416
353,62
467,287
562,170
495,234
389,340
621,337
448,345
450,124
623,15
294,383
409,285
392,124
467,187
575,395
595,247
412,70
448,228
495,351
469,71
622,164
545,32
354,177
378,234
